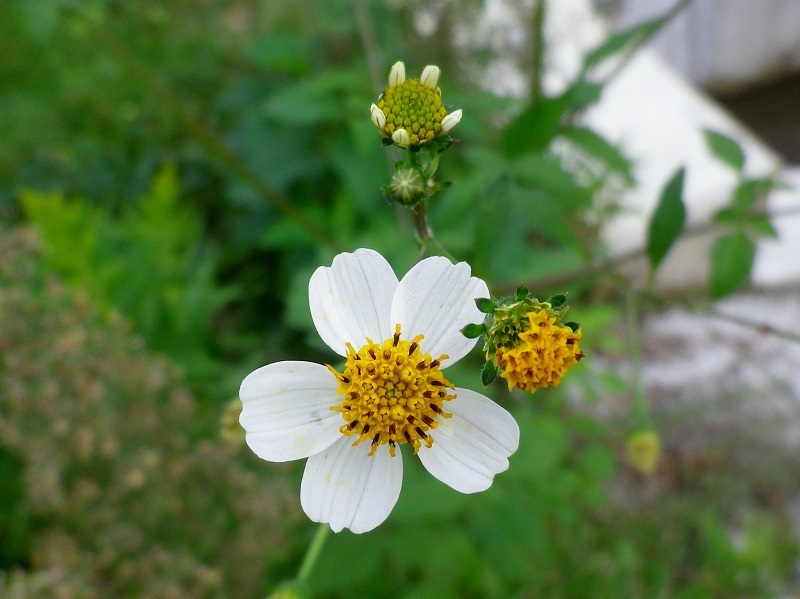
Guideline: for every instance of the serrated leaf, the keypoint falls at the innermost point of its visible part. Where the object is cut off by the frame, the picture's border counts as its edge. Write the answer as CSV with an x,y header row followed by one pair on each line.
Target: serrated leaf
x,y
488,373
473,331
731,260
485,305
668,220
725,148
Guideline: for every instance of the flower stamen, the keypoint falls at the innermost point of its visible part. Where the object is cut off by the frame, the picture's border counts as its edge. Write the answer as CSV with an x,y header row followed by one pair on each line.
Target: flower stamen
x,y
386,399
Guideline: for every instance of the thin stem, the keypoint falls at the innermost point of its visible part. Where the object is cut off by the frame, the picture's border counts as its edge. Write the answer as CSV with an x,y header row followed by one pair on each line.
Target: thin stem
x,y
207,137
635,350
673,12
539,8
609,265
313,552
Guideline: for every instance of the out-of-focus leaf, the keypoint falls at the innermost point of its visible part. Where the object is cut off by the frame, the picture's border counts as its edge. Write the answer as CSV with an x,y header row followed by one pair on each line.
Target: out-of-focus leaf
x,y
535,127
598,147
668,220
725,148
731,260
620,42
312,100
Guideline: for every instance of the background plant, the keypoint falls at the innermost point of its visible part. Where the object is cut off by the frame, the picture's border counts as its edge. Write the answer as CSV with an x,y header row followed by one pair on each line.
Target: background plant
x,y
187,166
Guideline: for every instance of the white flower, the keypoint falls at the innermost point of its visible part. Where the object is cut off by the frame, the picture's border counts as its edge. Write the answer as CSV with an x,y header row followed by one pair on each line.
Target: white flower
x,y
396,338
412,113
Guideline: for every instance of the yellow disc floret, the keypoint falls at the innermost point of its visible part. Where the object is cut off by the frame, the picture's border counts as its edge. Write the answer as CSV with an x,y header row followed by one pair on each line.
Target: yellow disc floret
x,y
414,107
543,353
392,393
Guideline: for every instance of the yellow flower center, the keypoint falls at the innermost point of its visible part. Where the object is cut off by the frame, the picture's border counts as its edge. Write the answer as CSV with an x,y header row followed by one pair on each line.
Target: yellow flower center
x,y
543,354
393,393
415,108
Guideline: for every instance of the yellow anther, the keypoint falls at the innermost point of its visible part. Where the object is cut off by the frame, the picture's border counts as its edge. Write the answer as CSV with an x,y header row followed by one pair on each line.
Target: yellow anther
x,y
384,400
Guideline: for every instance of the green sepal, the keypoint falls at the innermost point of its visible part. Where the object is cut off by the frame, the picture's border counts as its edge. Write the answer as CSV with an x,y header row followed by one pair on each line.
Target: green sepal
x,y
575,326
485,305
488,373
522,293
473,331
558,300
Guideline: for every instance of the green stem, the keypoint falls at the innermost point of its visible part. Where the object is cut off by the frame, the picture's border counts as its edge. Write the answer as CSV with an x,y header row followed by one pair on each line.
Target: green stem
x,y
313,552
538,50
634,347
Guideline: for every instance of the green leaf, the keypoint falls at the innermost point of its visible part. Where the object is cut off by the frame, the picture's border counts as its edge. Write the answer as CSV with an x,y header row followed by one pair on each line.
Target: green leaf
x,y
731,260
473,331
761,227
668,220
485,305
575,326
488,373
535,127
622,41
558,300
725,148
522,293
599,148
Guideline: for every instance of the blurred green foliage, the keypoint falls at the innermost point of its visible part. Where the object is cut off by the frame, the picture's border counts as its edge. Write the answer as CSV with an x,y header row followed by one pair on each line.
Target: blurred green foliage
x,y
155,148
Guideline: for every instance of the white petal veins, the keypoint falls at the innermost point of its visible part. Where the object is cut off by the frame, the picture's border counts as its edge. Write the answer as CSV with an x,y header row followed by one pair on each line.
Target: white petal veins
x,y
478,440
351,300
346,488
437,299
286,410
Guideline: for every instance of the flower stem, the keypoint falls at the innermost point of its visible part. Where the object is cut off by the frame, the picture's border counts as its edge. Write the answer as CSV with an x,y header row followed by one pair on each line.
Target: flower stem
x,y
641,412
313,552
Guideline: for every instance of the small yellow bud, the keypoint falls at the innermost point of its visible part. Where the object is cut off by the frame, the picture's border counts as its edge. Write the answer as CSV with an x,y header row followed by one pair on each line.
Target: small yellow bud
x,y
643,450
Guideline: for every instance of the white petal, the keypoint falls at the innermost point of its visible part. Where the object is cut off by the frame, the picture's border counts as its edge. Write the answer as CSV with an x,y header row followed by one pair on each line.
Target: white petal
x,y
397,75
378,118
437,299
472,446
286,410
401,139
451,120
351,300
347,488
430,77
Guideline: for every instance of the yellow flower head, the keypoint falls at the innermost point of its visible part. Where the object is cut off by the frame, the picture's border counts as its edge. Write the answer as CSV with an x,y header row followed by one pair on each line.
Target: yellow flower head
x,y
526,341
411,113
543,353
643,450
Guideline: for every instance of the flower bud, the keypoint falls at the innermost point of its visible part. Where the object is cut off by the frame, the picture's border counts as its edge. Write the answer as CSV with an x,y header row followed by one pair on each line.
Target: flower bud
x,y
407,187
